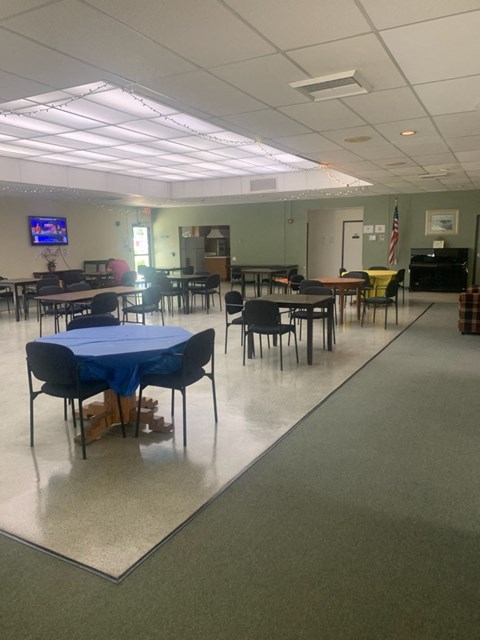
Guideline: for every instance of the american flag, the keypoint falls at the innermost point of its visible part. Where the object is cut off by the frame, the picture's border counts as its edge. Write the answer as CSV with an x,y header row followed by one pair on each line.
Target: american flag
x,y
392,258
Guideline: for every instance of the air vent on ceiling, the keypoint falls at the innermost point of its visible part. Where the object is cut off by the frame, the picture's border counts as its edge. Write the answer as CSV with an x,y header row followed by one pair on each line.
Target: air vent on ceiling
x,y
263,184
429,176
335,85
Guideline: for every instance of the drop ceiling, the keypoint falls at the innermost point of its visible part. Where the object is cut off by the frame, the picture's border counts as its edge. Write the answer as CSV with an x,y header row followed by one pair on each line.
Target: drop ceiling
x,y
211,106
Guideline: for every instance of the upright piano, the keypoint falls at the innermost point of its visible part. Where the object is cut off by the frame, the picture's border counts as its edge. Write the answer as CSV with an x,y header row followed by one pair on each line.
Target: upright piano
x,y
438,269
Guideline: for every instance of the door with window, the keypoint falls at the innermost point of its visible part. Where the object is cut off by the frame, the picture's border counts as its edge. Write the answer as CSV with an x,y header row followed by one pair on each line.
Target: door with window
x,y
142,246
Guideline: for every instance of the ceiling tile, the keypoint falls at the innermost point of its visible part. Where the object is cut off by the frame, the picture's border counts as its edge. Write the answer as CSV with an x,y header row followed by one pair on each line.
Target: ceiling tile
x,y
183,25
80,30
265,78
364,53
450,96
203,91
386,106
267,123
433,43
323,116
303,22
393,14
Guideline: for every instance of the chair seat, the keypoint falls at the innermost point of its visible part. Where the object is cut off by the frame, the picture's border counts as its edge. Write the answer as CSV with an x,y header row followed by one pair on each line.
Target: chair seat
x,y
173,380
88,388
271,330
238,321
303,315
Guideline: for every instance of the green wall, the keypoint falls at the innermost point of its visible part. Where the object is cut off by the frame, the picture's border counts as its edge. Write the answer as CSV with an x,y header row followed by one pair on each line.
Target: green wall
x,y
262,233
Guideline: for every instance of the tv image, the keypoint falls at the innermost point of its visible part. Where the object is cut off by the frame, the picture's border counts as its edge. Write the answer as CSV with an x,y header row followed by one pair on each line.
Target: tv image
x,y
48,230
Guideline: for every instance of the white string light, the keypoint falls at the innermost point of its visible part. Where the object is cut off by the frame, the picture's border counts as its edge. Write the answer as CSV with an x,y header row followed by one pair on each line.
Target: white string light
x,y
63,103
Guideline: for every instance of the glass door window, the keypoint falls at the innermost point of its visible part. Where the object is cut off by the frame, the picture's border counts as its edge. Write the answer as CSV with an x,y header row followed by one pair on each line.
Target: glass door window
x,y
142,253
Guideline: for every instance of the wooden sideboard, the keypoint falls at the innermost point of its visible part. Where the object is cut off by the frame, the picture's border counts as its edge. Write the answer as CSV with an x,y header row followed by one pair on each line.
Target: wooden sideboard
x,y
219,265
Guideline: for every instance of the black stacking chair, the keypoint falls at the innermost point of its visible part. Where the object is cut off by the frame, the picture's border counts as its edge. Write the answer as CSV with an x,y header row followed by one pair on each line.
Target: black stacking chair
x,y
263,317
233,307
86,322
400,278
103,303
207,290
168,291
150,303
294,282
78,307
320,314
367,286
388,299
6,294
48,309
198,353
129,278
74,276
55,366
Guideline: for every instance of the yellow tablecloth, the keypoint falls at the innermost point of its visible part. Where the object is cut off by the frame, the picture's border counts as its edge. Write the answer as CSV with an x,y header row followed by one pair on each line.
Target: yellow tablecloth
x,y
379,279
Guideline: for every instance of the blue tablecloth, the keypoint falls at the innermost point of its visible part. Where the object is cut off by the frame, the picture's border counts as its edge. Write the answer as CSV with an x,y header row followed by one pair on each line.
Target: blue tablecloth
x,y
120,354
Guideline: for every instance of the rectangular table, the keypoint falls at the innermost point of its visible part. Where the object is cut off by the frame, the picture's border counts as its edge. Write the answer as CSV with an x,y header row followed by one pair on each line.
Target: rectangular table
x,y
183,283
258,271
309,303
19,289
84,296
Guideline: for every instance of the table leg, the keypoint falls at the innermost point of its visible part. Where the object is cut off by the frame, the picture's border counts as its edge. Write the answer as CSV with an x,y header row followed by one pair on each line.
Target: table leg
x,y
310,335
330,321
16,302
341,304
243,285
359,302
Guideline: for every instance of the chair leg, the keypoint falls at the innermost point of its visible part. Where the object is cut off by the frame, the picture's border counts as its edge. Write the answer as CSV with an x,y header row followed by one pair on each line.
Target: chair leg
x,y
281,352
184,401
214,393
226,336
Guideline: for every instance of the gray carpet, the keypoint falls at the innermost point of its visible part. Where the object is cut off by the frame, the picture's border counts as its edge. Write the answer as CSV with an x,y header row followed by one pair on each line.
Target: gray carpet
x,y
362,523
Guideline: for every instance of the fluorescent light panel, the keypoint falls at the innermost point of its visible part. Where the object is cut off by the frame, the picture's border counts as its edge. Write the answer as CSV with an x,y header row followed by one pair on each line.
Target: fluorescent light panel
x,y
106,128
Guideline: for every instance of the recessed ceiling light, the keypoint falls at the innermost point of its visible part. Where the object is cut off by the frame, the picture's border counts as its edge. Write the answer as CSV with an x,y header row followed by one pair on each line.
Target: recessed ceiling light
x,y
355,139
408,132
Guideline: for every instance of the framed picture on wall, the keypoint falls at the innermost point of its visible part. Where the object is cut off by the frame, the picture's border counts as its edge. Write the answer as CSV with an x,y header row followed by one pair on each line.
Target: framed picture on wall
x,y
442,222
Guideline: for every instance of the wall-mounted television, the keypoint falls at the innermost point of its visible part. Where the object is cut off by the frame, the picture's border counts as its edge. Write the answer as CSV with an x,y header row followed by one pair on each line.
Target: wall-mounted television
x,y
48,230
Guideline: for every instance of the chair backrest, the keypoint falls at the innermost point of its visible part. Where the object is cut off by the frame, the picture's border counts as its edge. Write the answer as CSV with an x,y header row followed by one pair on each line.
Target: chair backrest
x,y
292,272
78,286
261,313
151,296
305,284
199,350
318,291
46,282
129,278
213,281
400,277
85,322
357,274
295,281
50,289
391,290
376,268
233,302
188,271
104,303
148,273
51,362
71,277
163,283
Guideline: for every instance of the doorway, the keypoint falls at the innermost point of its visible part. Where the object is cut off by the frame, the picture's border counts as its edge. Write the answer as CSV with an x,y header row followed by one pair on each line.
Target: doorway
x,y
142,246
329,246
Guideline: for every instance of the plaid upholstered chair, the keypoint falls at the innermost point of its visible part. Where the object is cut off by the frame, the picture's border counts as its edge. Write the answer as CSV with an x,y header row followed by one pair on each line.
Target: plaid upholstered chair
x,y
469,310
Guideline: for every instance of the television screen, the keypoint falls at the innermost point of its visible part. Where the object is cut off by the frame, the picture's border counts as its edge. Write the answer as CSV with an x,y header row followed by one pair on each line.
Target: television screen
x,y
48,231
